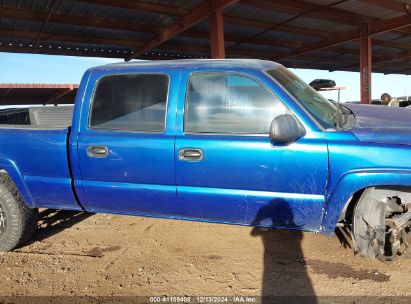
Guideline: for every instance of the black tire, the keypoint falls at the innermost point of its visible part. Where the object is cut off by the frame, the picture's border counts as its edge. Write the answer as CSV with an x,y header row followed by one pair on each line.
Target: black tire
x,y
18,222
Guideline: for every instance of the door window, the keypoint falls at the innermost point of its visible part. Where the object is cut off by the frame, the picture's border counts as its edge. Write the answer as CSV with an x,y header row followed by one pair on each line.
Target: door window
x,y
130,103
229,103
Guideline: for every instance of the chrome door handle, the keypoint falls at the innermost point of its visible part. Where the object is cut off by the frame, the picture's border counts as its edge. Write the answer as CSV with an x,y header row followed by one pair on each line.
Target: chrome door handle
x,y
190,154
97,151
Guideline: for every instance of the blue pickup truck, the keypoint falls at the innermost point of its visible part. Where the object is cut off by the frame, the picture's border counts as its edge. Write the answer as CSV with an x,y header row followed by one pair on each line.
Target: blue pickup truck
x,y
230,141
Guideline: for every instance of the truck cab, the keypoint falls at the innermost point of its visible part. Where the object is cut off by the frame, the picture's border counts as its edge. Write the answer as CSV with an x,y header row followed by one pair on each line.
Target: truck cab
x,y
192,141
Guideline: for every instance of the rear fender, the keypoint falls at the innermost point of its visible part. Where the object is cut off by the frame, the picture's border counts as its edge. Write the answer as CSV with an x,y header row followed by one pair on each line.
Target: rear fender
x,y
353,182
9,167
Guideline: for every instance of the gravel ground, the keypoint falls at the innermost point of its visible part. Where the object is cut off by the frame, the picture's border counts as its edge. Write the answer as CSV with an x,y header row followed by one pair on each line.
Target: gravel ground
x,y
82,254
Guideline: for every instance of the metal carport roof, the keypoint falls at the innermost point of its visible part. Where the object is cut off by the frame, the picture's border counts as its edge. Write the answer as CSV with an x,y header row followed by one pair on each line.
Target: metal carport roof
x,y
27,94
319,34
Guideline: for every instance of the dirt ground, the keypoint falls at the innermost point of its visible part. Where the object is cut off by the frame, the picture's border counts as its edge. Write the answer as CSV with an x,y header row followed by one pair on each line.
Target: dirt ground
x,y
75,253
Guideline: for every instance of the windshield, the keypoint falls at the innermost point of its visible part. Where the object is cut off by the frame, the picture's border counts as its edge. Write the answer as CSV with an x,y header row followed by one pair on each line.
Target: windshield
x,y
324,111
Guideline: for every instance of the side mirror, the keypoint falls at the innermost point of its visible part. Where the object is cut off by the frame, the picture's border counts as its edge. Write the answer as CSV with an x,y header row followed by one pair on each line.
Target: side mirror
x,y
285,129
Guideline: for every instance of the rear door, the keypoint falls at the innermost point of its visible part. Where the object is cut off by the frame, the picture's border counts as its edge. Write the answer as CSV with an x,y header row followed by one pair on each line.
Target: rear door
x,y
227,168
125,153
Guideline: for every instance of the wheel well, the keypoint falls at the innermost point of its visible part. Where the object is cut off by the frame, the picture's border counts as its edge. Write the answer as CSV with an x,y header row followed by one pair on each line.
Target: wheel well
x,y
379,193
348,209
20,187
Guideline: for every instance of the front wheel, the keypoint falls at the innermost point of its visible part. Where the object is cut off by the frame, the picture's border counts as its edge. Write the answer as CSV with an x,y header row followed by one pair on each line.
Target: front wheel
x,y
18,222
381,227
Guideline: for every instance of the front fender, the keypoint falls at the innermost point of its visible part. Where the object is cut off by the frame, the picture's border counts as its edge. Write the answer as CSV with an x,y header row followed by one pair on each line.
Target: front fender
x,y
13,171
351,183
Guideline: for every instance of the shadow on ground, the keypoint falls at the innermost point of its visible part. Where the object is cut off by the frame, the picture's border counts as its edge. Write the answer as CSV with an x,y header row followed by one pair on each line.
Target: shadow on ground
x,y
285,277
52,222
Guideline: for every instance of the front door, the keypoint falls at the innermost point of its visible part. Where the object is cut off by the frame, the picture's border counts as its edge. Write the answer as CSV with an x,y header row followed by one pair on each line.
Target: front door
x,y
125,155
227,168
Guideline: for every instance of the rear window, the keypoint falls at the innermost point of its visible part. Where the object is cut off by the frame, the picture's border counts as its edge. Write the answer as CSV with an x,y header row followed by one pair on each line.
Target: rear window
x,y
131,103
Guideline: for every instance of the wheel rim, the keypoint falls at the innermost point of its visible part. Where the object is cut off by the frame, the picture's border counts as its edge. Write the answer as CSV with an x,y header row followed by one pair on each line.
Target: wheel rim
x,y
3,220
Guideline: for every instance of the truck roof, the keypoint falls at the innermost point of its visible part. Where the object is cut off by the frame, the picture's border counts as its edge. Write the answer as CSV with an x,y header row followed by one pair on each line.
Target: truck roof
x,y
193,64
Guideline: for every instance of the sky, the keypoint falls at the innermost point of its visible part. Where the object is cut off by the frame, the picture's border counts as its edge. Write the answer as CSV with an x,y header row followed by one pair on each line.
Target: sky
x,y
34,68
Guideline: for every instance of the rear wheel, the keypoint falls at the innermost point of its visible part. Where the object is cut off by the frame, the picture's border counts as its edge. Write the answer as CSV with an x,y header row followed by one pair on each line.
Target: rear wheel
x,y
17,221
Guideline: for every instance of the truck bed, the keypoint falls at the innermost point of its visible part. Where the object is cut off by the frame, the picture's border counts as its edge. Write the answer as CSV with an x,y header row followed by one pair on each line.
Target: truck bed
x,y
37,160
49,117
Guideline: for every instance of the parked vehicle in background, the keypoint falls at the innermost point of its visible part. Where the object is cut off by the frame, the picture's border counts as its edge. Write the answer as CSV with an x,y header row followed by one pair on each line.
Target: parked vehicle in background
x,y
230,141
318,84
373,101
405,103
376,102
